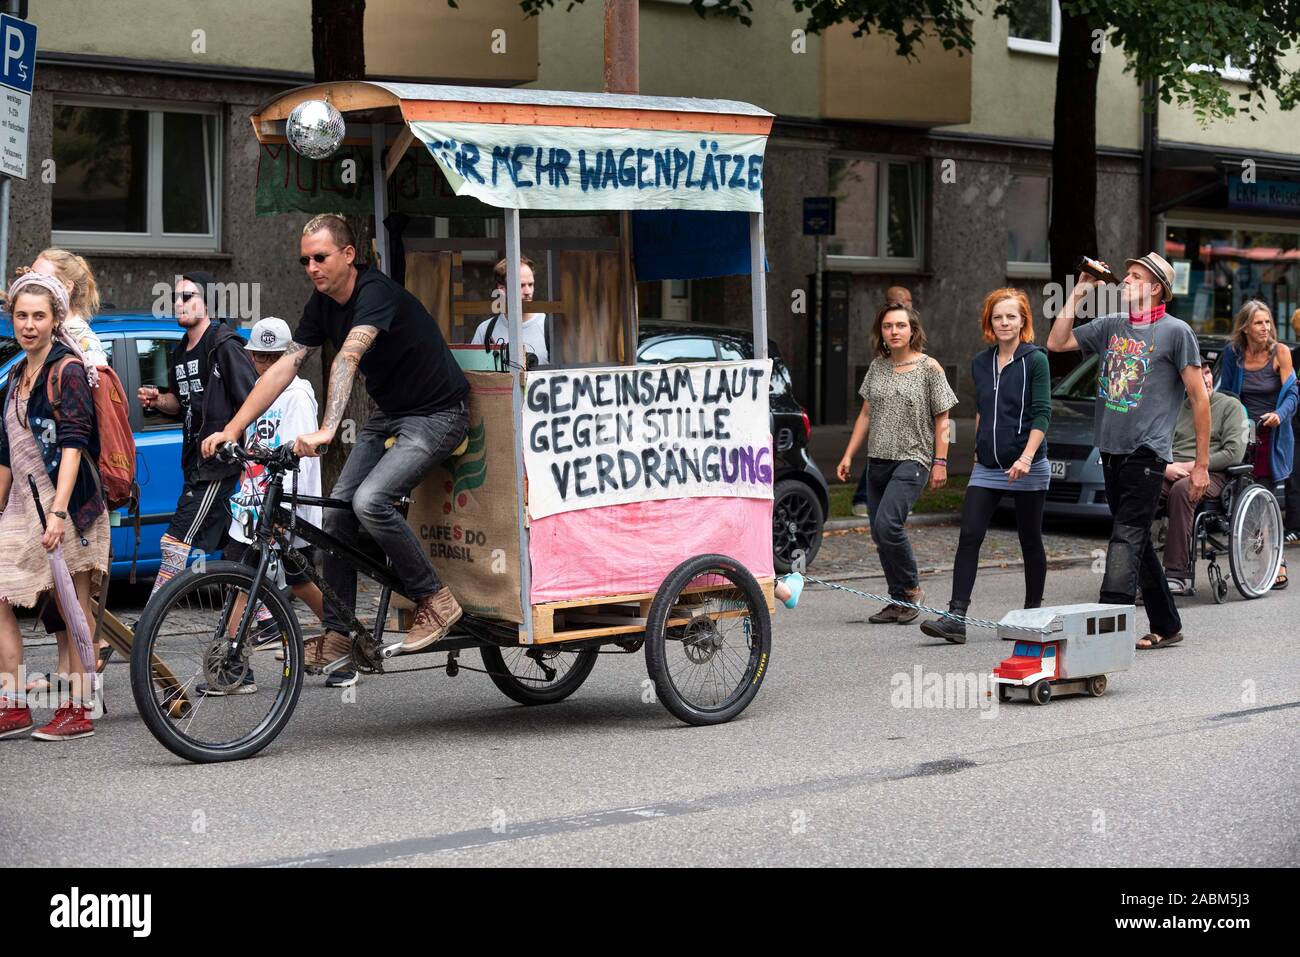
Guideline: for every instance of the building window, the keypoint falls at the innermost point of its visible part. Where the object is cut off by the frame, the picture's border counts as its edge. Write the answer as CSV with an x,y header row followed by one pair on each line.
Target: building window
x,y
1217,267
136,177
1028,211
1034,26
878,213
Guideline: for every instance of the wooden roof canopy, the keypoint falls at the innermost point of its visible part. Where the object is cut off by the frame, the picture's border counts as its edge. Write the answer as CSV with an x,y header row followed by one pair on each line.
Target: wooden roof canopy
x,y
392,103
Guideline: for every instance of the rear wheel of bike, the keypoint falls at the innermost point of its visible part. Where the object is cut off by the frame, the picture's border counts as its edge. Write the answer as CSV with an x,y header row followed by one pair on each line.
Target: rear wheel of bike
x,y
236,704
537,675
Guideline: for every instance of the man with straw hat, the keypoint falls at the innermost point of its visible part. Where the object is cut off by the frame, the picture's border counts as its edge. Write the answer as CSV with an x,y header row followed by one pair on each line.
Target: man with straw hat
x,y
1149,361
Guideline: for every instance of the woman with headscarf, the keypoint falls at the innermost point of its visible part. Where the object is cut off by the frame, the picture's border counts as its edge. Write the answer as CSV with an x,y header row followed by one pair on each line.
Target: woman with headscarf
x,y
58,452
83,305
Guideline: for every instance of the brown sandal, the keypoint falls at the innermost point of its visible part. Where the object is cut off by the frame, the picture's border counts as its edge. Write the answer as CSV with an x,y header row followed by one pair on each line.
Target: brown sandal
x,y
1155,641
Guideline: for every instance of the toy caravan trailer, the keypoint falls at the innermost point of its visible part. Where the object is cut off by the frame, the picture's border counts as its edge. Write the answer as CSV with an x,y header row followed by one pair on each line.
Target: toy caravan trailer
x,y
1073,649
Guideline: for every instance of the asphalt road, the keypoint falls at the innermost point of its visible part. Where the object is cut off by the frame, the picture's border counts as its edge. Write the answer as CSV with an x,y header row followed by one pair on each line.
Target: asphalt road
x,y
1190,758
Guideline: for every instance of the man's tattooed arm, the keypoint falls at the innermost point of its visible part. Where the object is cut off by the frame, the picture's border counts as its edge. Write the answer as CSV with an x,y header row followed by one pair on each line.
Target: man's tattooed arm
x,y
344,371
300,354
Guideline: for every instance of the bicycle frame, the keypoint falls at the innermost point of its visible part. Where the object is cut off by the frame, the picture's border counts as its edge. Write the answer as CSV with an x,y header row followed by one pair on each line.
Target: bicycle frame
x,y
271,532
279,524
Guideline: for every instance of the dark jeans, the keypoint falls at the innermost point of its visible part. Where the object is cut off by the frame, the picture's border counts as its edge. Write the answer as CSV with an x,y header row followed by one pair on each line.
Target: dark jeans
x,y
1133,486
372,478
976,513
892,490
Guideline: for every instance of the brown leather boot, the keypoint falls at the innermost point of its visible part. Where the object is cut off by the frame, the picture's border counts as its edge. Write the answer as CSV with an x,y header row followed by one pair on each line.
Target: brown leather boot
x,y
331,646
887,615
908,615
434,617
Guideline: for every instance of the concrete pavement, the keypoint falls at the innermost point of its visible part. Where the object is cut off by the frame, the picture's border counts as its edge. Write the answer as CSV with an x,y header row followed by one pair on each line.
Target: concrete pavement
x,y
1189,759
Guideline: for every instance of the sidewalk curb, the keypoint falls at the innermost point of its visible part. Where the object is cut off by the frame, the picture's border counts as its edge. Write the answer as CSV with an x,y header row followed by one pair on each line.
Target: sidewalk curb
x,y
930,518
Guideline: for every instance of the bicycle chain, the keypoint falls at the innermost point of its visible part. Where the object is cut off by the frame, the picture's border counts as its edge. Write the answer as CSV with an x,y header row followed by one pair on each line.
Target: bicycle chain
x,y
950,615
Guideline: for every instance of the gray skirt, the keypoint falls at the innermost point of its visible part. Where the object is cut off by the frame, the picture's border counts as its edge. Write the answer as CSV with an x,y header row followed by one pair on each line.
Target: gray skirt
x,y
1039,477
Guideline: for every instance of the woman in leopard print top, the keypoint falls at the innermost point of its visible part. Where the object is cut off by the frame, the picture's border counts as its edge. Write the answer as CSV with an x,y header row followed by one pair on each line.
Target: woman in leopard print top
x,y
904,421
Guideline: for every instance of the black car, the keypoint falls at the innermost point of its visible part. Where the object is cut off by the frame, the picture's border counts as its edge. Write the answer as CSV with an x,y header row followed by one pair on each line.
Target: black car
x,y
800,496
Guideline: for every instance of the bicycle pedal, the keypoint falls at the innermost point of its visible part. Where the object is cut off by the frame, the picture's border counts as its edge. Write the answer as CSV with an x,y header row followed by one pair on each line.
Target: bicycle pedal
x,y
391,650
338,664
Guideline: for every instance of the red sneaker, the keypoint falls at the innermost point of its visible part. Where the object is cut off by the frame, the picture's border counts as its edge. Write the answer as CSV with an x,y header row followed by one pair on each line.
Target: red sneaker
x,y
13,718
69,722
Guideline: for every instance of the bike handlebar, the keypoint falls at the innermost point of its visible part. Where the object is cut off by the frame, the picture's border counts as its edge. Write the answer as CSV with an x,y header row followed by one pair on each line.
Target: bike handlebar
x,y
281,459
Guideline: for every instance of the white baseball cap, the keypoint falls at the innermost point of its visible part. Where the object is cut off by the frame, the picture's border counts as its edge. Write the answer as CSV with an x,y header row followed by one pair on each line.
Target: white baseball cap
x,y
269,335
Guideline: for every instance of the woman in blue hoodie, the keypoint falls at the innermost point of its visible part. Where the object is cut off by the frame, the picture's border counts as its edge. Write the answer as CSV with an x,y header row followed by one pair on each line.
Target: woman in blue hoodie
x,y
1258,370
1013,391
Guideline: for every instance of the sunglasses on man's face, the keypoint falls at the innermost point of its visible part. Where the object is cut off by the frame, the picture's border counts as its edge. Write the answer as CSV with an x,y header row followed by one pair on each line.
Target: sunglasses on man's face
x,y
318,258
186,296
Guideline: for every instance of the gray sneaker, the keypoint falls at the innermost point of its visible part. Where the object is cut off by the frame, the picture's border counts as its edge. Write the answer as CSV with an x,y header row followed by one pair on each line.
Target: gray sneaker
x,y
342,679
860,510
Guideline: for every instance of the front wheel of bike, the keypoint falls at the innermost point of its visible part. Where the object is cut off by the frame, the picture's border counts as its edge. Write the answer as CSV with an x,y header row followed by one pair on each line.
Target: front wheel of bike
x,y
236,704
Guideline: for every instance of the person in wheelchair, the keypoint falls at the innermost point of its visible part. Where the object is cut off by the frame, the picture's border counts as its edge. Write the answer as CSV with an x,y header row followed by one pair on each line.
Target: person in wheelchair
x,y
1227,447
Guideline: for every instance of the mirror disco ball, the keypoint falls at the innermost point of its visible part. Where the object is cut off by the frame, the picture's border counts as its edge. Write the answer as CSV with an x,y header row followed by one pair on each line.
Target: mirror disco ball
x,y
315,129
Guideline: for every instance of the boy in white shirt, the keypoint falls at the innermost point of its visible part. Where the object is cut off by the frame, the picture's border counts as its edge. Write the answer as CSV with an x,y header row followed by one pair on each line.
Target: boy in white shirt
x,y
497,329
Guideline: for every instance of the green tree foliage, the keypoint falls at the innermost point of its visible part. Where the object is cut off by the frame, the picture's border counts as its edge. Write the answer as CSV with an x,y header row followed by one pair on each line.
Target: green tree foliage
x,y
1183,44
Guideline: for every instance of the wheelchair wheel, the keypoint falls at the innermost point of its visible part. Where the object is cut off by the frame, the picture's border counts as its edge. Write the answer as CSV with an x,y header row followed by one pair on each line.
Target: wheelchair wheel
x,y
1255,541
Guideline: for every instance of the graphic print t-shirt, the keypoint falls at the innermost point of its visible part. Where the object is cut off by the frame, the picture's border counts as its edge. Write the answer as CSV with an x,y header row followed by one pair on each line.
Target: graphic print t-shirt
x,y
292,414
188,381
1139,380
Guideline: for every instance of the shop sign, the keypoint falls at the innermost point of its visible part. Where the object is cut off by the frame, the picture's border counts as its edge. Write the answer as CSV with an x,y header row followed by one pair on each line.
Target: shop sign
x,y
1273,195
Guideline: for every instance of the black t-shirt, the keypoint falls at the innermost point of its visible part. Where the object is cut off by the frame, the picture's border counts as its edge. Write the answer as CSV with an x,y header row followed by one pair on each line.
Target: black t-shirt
x,y
187,379
409,370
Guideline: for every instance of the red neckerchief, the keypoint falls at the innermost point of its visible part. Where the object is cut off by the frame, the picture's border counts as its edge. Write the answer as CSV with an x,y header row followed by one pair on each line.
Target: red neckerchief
x,y
1151,317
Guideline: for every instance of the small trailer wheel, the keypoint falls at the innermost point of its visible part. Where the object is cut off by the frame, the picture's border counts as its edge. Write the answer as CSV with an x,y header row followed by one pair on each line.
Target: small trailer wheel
x,y
1097,685
1040,692
708,639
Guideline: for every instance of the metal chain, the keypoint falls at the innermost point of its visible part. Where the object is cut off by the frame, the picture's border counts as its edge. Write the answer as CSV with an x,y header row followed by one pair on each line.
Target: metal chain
x,y
951,616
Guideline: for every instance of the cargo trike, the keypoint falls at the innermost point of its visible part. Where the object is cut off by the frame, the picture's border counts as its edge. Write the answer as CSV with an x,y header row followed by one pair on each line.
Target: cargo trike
x,y
596,506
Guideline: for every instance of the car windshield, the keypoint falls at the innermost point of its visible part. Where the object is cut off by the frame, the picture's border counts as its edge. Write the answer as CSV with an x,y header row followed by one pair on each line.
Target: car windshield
x,y
1080,383
1025,649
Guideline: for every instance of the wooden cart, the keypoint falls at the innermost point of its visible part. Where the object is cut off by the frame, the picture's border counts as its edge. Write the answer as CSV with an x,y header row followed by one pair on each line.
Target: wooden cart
x,y
622,506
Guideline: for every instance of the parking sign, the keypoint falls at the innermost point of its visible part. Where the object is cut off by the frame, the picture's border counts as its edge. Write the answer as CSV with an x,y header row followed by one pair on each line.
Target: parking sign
x,y
17,70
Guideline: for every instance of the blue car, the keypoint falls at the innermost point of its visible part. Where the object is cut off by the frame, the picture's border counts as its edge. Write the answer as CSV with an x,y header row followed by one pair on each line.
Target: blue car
x,y
138,345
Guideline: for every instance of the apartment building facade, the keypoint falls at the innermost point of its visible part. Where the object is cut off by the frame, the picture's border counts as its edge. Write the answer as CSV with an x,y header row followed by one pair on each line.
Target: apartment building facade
x,y
940,166
141,156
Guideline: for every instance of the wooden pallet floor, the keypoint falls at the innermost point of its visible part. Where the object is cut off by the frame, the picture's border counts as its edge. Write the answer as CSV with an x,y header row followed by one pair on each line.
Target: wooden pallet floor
x,y
615,614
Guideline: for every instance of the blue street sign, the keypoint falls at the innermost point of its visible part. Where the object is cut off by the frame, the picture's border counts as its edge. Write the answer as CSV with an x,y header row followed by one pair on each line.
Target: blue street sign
x,y
17,53
819,216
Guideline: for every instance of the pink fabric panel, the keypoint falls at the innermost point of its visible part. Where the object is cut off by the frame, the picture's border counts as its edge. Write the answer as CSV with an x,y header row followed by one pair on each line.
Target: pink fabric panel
x,y
621,549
